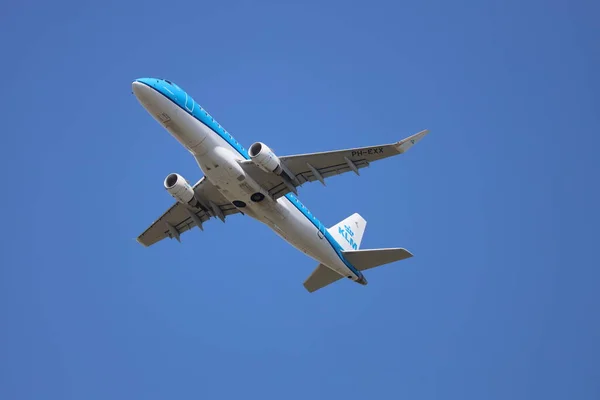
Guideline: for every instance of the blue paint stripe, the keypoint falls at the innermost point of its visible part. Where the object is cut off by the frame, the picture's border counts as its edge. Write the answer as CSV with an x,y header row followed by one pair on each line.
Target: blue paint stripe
x,y
189,105
178,96
334,244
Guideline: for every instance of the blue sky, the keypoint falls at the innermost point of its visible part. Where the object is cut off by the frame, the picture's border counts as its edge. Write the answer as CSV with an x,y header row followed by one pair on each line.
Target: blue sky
x,y
498,204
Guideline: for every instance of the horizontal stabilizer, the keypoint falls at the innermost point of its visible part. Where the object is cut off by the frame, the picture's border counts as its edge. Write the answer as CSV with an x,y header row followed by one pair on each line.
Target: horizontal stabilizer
x,y
371,258
321,277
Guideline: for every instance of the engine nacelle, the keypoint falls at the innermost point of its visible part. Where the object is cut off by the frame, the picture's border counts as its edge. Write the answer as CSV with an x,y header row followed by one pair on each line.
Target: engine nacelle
x,y
180,189
264,158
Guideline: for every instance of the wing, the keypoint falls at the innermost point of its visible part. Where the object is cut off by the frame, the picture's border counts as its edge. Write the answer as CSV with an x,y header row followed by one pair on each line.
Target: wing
x,y
303,168
181,217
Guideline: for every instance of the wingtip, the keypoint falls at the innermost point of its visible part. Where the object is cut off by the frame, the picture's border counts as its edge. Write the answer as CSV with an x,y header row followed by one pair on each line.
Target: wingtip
x,y
410,141
139,240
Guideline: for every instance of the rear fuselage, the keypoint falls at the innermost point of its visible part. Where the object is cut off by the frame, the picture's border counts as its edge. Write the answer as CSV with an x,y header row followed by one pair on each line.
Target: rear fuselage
x,y
217,154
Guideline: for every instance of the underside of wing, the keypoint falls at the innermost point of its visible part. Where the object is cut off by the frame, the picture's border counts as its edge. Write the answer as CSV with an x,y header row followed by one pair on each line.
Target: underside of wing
x,y
319,166
180,217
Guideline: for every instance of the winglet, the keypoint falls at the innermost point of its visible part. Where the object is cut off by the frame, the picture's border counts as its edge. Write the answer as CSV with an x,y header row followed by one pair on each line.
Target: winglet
x,y
407,143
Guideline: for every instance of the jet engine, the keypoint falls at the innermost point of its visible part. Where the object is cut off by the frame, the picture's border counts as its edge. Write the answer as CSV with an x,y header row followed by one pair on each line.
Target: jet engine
x,y
180,189
264,158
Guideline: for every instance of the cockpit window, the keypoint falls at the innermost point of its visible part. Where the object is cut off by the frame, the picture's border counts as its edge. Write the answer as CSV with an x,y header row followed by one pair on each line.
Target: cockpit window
x,y
169,82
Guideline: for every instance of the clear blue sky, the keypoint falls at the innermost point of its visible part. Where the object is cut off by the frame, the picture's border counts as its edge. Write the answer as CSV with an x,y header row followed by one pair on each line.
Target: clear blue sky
x,y
498,204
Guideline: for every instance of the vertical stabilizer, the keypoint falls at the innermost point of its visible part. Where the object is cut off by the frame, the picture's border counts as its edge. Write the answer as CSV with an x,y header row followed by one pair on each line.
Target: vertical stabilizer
x,y
349,232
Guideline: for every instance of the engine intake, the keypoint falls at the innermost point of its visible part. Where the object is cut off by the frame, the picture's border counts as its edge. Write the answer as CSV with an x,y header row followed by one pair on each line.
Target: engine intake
x,y
180,189
264,158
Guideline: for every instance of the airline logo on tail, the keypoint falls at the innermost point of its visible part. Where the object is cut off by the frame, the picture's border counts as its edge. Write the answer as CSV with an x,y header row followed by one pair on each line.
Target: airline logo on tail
x,y
346,233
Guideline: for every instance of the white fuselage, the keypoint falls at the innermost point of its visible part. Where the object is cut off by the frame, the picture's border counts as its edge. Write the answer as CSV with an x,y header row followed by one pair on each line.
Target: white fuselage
x,y
219,162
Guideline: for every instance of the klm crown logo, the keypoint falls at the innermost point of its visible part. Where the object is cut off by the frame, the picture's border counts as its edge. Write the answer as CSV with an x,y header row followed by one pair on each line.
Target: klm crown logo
x,y
347,234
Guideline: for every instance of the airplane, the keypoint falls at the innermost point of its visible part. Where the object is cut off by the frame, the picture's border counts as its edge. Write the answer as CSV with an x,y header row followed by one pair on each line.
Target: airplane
x,y
262,185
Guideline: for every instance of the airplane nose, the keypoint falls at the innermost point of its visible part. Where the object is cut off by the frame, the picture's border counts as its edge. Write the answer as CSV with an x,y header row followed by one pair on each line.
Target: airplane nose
x,y
137,87
143,92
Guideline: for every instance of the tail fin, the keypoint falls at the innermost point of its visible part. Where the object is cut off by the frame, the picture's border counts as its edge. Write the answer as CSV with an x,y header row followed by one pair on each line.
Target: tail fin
x,y
349,232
